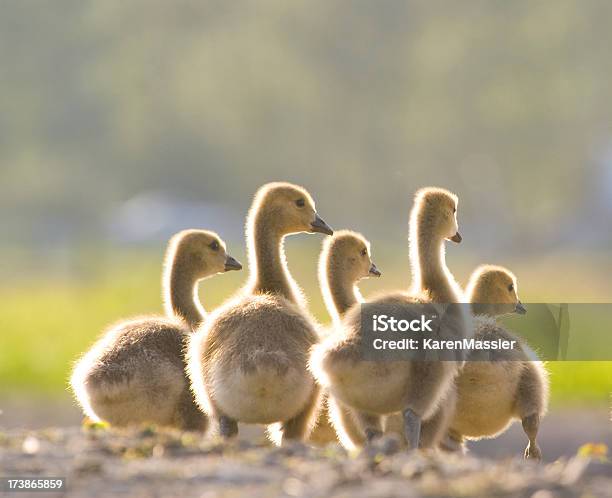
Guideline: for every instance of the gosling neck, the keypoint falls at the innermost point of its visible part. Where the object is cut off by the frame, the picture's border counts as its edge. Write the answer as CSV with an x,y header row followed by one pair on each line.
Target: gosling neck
x,y
342,291
182,300
267,255
430,273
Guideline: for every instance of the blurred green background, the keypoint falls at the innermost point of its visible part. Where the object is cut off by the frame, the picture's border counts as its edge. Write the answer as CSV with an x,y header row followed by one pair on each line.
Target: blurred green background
x,y
123,122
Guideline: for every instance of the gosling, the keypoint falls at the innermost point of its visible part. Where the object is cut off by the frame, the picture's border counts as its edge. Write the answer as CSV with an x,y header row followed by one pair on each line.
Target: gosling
x,y
513,384
135,373
249,361
345,259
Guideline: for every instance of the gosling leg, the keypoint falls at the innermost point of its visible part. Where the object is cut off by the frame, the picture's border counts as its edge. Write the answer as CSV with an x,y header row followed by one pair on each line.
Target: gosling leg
x,y
412,428
531,400
434,430
188,416
531,424
228,427
371,425
344,421
300,426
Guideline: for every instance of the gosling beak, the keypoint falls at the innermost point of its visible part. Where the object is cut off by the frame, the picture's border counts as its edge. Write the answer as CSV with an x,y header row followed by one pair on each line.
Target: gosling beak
x,y
456,238
520,308
232,264
375,271
318,225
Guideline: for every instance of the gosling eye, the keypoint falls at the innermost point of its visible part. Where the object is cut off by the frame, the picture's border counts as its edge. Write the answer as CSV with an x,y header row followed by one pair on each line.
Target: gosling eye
x,y
364,252
300,203
214,245
511,287
454,210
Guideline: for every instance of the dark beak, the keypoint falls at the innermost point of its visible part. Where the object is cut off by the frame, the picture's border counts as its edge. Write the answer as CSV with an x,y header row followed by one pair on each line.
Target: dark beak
x,y
456,238
318,225
375,271
232,264
520,309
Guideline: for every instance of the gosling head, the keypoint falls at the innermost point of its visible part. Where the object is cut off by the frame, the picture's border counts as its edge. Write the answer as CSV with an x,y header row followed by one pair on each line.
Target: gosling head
x,y
288,209
492,290
200,253
349,252
435,210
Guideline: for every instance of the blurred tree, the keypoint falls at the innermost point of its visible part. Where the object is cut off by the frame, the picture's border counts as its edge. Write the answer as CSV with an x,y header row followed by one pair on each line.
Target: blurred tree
x,y
504,102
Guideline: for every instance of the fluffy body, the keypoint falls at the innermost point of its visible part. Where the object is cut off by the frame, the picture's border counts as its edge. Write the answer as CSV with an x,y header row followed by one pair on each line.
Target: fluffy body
x,y
491,394
135,374
381,388
254,354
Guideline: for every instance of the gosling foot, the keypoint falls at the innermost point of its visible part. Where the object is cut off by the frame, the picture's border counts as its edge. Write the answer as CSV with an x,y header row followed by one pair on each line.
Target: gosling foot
x,y
533,452
452,445
228,427
372,434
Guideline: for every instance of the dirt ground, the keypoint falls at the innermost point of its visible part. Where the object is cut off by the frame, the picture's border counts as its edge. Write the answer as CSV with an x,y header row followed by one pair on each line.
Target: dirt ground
x,y
148,463
561,434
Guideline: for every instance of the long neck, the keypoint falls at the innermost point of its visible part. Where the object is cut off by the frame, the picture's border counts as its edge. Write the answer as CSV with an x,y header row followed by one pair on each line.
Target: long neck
x,y
430,273
342,292
268,258
182,296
